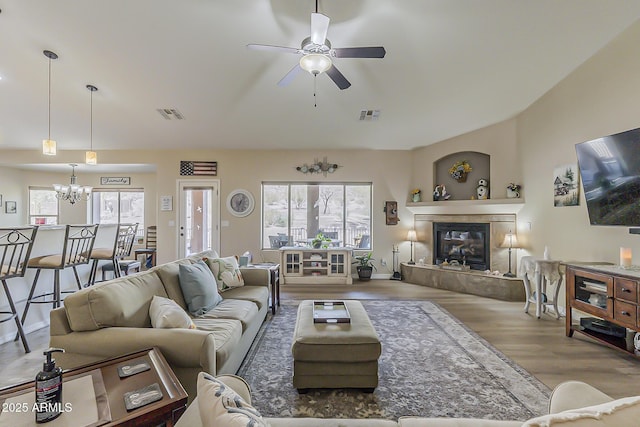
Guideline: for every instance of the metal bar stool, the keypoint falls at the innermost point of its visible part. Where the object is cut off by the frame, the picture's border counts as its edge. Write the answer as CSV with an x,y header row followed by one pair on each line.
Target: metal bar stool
x,y
78,243
121,249
15,248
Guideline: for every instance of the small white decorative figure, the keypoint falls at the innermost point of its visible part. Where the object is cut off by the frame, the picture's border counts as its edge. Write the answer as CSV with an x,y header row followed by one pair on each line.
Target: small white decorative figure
x,y
482,190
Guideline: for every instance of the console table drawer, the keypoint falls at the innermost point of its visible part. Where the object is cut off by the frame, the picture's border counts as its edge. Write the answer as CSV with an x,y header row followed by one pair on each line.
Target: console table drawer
x,y
625,289
625,313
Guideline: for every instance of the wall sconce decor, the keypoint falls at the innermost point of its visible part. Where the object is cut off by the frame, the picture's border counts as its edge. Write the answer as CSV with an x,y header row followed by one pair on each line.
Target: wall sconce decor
x,y
322,167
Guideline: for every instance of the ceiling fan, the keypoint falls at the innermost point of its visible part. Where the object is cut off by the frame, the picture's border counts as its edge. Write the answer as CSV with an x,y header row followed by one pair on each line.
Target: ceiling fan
x,y
317,52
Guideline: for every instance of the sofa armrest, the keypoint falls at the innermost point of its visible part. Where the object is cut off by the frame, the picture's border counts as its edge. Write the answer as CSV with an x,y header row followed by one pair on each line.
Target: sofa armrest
x,y
575,394
255,276
237,384
58,322
184,348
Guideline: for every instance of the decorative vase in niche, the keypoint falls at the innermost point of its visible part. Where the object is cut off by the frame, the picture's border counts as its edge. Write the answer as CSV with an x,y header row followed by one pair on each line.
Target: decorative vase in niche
x,y
416,197
512,194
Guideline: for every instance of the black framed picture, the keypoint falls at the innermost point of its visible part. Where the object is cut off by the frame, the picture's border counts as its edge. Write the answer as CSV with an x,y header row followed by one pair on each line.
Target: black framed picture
x,y
10,207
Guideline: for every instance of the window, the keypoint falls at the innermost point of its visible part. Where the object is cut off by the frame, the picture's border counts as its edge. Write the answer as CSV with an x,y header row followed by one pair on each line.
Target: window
x,y
43,206
293,213
118,206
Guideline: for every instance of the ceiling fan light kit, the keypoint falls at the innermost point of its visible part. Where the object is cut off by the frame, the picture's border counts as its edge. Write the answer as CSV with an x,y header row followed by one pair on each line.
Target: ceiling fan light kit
x,y
317,52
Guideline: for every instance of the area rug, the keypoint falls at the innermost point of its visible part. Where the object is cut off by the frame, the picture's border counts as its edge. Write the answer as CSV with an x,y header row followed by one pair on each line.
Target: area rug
x,y
431,365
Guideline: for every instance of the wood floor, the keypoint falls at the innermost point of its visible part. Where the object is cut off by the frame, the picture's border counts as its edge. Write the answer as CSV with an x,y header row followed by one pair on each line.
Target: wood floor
x,y
538,345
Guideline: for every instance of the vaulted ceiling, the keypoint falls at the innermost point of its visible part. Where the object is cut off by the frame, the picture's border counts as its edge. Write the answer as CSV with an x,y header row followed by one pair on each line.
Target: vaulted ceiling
x,y
451,66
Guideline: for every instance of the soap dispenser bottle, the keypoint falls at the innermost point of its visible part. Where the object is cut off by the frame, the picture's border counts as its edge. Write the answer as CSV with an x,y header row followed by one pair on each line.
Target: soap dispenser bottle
x,y
49,389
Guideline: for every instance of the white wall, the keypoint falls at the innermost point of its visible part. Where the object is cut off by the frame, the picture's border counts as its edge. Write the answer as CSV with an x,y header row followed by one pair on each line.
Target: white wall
x,y
600,98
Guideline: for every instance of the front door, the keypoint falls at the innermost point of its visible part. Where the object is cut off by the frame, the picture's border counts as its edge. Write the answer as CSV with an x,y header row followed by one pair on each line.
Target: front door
x,y
199,216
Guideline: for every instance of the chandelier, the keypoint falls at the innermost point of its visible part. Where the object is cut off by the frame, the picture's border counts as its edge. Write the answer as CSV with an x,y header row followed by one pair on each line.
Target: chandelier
x,y
73,192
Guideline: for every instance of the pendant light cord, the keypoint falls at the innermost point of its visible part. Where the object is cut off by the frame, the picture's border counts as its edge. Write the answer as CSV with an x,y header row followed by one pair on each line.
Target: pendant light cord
x,y
49,137
91,126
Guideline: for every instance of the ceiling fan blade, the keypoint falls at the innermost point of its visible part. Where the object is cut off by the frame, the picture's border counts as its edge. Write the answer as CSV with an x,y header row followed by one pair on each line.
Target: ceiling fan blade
x,y
338,78
359,52
273,48
319,28
288,78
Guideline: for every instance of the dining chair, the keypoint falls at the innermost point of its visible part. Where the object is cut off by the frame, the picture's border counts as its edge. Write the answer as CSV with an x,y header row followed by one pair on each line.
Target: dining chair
x,y
150,246
121,248
15,248
76,250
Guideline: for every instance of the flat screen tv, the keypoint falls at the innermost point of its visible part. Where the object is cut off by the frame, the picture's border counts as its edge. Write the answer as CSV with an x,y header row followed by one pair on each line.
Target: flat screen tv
x,y
610,171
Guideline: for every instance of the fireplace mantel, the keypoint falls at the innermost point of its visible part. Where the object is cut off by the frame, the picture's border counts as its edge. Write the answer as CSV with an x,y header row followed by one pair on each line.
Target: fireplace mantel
x,y
468,207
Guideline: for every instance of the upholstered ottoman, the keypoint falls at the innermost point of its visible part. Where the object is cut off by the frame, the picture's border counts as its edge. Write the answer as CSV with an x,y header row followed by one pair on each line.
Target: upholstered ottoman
x,y
335,355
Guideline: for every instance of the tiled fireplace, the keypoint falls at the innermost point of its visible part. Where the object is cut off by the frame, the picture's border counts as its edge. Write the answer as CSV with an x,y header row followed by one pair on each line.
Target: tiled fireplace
x,y
473,238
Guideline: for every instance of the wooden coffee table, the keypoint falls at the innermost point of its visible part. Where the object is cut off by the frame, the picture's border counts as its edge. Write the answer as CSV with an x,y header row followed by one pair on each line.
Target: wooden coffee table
x,y
167,410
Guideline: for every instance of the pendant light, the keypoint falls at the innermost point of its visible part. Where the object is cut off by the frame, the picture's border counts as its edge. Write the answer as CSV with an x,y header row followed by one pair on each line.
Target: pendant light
x,y
91,157
49,145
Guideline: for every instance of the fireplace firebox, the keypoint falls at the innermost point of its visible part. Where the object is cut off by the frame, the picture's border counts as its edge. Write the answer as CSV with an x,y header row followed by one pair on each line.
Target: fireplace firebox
x,y
467,243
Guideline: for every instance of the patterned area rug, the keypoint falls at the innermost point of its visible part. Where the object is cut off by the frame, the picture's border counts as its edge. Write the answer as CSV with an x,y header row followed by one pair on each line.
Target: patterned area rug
x,y
431,365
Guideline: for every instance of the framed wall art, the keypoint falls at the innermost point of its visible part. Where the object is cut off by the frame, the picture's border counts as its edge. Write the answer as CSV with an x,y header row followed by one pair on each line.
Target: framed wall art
x,y
10,207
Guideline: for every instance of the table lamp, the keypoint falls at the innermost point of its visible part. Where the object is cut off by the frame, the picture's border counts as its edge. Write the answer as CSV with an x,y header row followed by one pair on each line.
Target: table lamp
x,y
412,237
510,241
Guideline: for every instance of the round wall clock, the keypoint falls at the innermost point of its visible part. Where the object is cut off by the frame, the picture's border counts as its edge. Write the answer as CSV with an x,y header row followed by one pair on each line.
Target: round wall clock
x,y
240,203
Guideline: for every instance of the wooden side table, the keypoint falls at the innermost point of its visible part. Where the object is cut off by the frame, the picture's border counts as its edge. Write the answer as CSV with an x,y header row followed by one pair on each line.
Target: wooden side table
x,y
163,412
544,273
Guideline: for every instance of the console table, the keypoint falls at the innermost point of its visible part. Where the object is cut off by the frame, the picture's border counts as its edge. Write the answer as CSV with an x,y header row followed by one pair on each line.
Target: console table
x,y
300,265
607,292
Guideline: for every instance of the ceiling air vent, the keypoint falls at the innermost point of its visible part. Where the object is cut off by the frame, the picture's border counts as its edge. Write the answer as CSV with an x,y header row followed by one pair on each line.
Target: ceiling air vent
x,y
369,115
170,113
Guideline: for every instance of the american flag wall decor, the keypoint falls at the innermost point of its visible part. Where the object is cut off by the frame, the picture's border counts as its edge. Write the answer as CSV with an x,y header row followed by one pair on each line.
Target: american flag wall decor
x,y
190,168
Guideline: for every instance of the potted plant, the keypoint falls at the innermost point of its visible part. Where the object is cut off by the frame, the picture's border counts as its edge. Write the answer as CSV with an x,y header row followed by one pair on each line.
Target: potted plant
x,y
320,241
364,266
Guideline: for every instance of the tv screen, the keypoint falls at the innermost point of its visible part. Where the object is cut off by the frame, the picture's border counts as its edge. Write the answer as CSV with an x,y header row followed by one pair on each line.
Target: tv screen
x,y
610,171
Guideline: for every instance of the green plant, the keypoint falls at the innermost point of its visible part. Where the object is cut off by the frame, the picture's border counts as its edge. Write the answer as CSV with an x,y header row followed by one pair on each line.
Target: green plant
x,y
321,241
365,260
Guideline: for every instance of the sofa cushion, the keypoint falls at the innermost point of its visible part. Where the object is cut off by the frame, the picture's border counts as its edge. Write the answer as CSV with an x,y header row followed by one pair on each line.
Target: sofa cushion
x,y
244,311
227,272
257,294
198,287
120,302
166,313
618,413
227,334
221,406
170,275
454,422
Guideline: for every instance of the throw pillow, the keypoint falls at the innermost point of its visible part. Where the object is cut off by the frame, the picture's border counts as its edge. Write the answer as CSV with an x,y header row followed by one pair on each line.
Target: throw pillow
x,y
221,406
227,272
166,313
621,412
198,287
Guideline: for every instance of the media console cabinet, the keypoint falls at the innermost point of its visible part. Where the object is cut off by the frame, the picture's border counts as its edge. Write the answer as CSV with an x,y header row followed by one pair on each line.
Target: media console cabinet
x,y
606,292
299,265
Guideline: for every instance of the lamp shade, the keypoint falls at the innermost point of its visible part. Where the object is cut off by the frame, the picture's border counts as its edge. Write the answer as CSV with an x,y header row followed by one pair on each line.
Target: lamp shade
x,y
510,241
91,158
49,147
315,63
412,236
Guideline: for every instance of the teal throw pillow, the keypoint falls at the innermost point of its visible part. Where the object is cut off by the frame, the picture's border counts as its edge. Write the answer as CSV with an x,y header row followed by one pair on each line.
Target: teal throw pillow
x,y
198,287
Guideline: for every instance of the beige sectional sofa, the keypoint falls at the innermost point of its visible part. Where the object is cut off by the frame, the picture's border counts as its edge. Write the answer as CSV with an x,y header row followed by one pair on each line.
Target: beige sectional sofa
x,y
112,318
572,404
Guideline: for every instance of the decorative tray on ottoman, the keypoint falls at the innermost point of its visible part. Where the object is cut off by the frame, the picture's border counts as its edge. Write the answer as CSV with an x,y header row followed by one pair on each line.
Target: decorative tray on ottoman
x,y
330,312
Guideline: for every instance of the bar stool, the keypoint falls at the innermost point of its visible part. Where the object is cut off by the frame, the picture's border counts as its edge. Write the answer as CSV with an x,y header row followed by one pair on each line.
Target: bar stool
x,y
15,248
151,246
121,249
543,273
78,243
